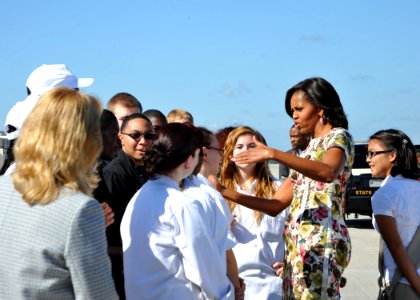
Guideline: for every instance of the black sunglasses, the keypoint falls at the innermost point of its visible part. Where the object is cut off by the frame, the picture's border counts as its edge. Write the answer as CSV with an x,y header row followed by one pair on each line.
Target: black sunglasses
x,y
372,154
137,135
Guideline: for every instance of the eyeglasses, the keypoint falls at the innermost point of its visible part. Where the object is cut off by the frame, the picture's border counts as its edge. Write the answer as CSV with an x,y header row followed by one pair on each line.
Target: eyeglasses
x,y
372,154
137,135
216,148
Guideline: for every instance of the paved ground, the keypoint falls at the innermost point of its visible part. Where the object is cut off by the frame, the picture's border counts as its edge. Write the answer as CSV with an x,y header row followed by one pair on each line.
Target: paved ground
x,y
362,272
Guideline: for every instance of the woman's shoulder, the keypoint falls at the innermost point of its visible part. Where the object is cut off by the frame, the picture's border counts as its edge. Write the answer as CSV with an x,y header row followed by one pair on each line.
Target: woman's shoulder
x,y
339,133
396,192
392,187
399,184
341,138
6,182
74,202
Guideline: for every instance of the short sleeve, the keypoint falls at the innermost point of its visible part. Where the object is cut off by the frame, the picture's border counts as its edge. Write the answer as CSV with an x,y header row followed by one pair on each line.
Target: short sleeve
x,y
341,138
383,203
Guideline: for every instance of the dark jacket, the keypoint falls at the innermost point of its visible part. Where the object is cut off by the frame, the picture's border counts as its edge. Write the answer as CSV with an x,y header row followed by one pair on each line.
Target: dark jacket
x,y
283,169
123,179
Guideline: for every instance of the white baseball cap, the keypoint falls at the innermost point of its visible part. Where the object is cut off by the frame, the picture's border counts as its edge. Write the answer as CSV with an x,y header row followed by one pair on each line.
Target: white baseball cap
x,y
47,77
41,80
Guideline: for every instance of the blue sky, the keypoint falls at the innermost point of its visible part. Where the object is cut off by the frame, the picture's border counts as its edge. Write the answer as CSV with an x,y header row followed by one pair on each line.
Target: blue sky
x,y
227,62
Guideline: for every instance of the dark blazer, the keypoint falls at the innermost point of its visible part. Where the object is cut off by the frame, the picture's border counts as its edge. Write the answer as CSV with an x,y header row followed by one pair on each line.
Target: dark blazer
x,y
284,170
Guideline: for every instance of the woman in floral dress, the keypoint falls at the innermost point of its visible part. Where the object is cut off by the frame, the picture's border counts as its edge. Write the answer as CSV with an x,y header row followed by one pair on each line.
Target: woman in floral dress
x,y
317,241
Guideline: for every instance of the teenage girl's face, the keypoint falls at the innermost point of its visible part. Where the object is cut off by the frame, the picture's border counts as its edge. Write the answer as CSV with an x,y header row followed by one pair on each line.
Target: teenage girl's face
x,y
381,163
244,142
305,115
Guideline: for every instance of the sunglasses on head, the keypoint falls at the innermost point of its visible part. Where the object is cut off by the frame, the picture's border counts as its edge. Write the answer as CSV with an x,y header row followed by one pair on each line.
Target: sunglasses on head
x,y
137,135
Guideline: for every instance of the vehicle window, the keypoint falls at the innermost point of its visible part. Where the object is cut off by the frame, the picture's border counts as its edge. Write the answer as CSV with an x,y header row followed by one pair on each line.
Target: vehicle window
x,y
360,157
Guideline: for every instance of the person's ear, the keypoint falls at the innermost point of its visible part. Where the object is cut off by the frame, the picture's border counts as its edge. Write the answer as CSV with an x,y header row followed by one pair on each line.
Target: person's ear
x,y
320,112
204,151
392,157
188,162
120,137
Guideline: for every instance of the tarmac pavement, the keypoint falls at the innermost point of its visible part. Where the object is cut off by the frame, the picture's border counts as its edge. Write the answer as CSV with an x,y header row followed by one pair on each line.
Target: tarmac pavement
x,y
362,272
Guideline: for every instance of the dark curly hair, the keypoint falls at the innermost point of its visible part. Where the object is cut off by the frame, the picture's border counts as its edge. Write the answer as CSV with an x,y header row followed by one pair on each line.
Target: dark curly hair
x,y
323,95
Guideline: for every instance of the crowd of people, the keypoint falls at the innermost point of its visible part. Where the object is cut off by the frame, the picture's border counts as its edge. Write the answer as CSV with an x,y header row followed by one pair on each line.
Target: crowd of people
x,y
121,203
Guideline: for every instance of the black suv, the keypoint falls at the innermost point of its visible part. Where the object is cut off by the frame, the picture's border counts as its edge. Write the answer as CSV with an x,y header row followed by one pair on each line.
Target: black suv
x,y
361,185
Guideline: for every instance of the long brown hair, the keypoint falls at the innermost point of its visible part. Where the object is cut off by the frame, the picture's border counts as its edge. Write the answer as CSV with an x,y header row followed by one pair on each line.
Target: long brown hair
x,y
265,187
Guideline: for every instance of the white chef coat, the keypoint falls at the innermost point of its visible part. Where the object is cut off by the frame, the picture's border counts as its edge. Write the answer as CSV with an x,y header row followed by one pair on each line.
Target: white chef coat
x,y
168,253
259,247
218,215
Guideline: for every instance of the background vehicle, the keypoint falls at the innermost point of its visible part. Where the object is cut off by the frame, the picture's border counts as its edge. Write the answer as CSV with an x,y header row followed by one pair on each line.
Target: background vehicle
x,y
361,186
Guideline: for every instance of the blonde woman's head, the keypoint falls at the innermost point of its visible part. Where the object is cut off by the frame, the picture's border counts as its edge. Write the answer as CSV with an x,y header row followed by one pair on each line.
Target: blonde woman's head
x,y
58,146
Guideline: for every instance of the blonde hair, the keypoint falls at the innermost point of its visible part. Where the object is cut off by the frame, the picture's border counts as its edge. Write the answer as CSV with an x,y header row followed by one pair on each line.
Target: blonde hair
x,y
177,114
58,146
265,187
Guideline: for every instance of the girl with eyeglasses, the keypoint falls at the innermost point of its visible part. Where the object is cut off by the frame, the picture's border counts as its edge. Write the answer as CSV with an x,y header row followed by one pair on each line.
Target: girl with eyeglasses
x,y
396,207
317,240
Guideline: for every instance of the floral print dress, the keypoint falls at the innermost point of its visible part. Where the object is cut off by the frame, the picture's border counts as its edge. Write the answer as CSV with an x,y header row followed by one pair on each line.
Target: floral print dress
x,y
317,240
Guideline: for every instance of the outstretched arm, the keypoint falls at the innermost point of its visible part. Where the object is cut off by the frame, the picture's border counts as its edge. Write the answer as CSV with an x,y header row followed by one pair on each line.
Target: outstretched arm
x,y
389,232
326,170
280,200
